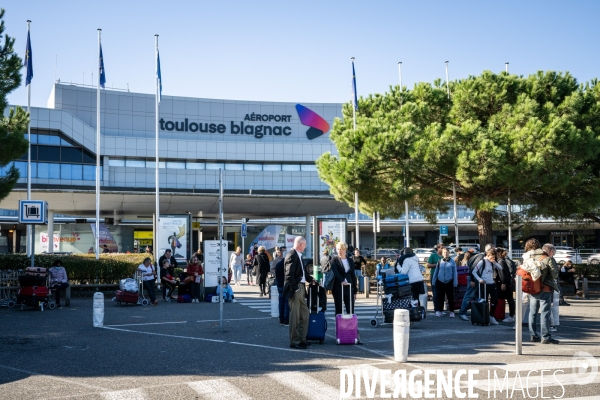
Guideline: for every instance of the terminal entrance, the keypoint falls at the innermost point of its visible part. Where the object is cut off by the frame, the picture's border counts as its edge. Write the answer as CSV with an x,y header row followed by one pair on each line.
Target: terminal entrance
x,y
563,238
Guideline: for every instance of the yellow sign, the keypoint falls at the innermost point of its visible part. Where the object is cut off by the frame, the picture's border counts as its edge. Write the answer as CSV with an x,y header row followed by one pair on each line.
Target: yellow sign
x,y
142,235
195,225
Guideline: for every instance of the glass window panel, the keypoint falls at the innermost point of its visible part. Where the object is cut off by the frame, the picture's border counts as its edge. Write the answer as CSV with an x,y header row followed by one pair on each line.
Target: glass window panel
x,y
174,165
215,165
43,170
22,167
89,158
53,171
70,155
89,172
116,163
23,157
234,167
49,140
63,142
253,167
77,171
309,167
152,164
48,153
135,163
272,167
65,171
194,165
290,167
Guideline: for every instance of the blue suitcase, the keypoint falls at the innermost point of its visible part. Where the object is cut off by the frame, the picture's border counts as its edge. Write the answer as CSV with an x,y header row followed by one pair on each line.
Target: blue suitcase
x,y
317,324
396,278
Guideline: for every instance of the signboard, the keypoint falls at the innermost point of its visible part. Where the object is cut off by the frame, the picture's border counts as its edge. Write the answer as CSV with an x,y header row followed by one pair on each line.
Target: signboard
x,y
173,234
443,230
331,231
244,230
106,238
33,212
212,259
45,241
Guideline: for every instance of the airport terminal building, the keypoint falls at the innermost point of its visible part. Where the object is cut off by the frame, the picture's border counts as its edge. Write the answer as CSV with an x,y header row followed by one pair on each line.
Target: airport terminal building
x,y
267,151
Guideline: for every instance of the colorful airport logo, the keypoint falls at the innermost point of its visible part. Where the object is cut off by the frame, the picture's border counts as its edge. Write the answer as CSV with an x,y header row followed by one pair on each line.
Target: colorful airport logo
x,y
317,125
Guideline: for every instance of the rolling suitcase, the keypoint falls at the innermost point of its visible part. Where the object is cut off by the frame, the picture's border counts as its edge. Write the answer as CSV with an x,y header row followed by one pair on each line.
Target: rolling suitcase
x,y
463,273
416,314
388,316
480,311
317,324
399,291
123,296
34,291
396,278
500,313
31,280
346,325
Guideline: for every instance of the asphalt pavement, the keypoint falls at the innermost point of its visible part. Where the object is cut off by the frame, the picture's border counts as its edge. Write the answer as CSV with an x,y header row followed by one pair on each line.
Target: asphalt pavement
x,y
180,351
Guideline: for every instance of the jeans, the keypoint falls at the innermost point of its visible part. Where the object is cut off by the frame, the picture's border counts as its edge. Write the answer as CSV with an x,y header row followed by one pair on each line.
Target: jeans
x,y
471,292
237,273
195,289
444,290
149,286
57,287
284,307
166,284
542,302
249,275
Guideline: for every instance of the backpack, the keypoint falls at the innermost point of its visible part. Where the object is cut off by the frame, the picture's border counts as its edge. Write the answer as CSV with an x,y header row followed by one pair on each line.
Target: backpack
x,y
529,284
472,263
512,266
327,266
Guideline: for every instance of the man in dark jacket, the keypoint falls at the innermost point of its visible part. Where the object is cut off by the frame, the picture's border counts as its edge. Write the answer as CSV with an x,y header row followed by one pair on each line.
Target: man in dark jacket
x,y
284,307
294,289
171,268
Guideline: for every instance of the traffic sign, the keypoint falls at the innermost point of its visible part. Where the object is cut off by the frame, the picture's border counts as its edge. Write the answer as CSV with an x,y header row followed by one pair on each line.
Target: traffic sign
x,y
33,212
443,230
244,230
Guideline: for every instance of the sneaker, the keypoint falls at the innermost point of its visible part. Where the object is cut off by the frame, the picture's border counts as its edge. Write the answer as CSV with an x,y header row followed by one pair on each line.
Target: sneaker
x,y
552,329
233,300
550,341
260,295
451,315
493,321
508,319
535,339
438,314
463,317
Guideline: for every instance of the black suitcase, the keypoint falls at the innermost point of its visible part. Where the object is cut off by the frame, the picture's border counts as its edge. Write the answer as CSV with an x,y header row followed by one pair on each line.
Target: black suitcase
x,y
416,313
480,311
183,288
388,316
399,291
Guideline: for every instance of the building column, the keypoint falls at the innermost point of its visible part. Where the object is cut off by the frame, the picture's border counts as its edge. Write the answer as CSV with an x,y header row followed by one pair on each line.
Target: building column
x,y
50,232
308,237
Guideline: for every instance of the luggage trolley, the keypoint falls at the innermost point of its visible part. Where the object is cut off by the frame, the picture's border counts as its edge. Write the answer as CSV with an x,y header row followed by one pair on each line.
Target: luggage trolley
x,y
35,290
379,308
8,296
403,302
131,297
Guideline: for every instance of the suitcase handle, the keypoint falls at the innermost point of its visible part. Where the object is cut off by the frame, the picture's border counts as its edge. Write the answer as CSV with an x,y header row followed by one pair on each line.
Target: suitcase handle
x,y
310,288
484,290
351,302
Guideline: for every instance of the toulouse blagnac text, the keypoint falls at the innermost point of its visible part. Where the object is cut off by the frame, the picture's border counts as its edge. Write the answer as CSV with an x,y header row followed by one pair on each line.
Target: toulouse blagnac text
x,y
258,131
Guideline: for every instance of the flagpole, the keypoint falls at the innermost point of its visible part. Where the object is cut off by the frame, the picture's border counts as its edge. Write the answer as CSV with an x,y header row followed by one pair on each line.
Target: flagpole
x,y
407,229
30,237
356,226
98,149
156,171
456,239
509,208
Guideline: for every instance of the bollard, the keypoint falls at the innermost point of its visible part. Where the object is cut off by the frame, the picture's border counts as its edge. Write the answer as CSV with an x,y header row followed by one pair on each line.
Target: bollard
x,y
274,302
401,334
98,310
367,286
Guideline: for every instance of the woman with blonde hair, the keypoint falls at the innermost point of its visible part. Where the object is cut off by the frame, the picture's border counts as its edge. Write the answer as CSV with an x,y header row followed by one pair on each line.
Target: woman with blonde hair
x,y
343,270
262,265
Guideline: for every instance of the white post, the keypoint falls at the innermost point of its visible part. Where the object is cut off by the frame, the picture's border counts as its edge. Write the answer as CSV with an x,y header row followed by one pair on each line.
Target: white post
x,y
401,334
308,251
509,226
98,312
456,240
407,237
519,316
221,255
156,170
50,232
356,226
98,152
30,237
448,82
375,236
506,67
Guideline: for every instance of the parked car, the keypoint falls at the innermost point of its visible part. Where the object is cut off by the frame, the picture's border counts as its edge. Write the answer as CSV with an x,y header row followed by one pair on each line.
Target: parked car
x,y
466,246
566,253
594,259
392,254
423,254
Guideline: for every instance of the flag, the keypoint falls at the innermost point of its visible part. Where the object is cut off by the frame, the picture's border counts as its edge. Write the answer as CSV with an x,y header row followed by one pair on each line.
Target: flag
x,y
28,62
101,72
159,82
354,96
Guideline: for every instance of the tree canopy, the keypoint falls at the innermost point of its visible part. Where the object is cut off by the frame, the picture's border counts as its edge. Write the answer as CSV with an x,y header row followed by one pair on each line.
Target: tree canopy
x,y
535,137
13,126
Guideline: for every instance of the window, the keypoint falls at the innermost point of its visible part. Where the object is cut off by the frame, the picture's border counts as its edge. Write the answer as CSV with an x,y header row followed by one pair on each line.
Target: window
x,y
53,171
290,167
234,167
253,167
116,163
194,165
63,142
48,153
76,171
70,155
175,165
272,167
89,173
22,167
308,167
214,165
49,140
88,158
135,163
152,164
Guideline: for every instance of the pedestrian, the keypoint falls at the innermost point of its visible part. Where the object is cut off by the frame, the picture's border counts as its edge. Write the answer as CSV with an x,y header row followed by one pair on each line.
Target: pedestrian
x,y
343,271
167,279
460,254
432,263
535,261
408,264
58,280
484,273
446,279
194,272
249,267
148,275
261,262
91,250
171,267
276,258
471,262
236,262
200,256
506,286
568,275
359,264
227,291
381,266
550,251
294,289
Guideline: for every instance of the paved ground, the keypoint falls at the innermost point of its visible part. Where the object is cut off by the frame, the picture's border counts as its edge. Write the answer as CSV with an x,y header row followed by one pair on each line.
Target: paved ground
x,y
177,351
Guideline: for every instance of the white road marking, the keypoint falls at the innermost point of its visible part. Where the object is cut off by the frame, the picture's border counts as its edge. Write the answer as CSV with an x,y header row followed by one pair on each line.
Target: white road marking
x,y
231,319
306,385
218,389
152,323
132,394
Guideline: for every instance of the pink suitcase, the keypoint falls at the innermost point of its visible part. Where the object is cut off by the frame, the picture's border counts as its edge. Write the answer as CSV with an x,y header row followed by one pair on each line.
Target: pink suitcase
x,y
346,325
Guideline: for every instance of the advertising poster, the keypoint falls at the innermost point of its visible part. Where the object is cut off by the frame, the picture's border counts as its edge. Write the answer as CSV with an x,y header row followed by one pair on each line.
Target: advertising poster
x,y
173,235
331,231
106,238
45,241
212,259
268,237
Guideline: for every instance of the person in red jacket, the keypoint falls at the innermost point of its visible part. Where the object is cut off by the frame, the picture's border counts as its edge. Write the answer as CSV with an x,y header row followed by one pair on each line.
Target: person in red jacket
x,y
195,272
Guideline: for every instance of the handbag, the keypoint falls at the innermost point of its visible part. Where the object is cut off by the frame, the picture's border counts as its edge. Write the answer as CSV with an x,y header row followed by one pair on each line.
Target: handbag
x,y
255,271
328,280
189,279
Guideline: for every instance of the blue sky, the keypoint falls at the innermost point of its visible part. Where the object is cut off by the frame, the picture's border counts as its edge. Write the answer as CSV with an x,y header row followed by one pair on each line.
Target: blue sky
x,y
298,51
